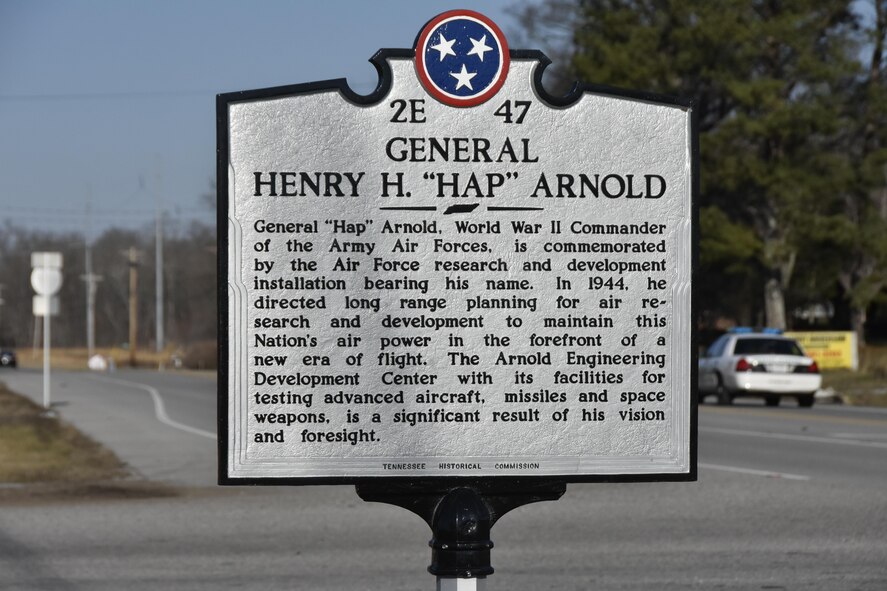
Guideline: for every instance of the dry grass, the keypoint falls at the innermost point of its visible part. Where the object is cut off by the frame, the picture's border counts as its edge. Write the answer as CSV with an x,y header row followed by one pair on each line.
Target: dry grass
x,y
37,447
866,387
76,358
200,356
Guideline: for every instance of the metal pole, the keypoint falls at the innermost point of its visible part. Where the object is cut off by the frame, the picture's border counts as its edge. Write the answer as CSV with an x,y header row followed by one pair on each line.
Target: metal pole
x,y
461,584
158,284
48,313
461,517
133,305
158,256
36,337
460,543
91,280
88,278
90,304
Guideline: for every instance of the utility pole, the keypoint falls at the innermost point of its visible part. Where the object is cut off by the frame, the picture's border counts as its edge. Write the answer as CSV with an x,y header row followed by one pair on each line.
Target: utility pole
x,y
91,280
158,259
133,257
158,283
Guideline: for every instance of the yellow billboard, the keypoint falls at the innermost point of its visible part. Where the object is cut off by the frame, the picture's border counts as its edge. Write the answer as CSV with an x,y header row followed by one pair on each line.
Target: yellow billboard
x,y
831,350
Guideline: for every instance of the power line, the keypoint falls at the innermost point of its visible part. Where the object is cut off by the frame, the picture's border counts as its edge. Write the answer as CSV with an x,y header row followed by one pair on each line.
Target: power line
x,y
137,94
106,95
82,213
62,220
65,226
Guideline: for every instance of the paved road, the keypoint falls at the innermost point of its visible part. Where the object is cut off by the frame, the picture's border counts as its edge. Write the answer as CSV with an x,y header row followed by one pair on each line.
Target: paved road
x,y
787,498
162,424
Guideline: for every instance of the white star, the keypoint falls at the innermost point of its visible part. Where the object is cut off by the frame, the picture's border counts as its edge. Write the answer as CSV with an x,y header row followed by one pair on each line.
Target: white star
x,y
444,47
464,78
480,47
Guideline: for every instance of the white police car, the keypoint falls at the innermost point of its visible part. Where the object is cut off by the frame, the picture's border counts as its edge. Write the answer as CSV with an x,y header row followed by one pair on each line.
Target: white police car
x,y
764,363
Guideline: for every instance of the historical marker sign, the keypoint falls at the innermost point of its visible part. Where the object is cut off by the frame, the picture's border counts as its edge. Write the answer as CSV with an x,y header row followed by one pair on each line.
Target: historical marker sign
x,y
458,275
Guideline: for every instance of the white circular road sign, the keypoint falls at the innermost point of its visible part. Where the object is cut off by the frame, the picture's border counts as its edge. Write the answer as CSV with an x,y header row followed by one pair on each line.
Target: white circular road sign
x,y
46,281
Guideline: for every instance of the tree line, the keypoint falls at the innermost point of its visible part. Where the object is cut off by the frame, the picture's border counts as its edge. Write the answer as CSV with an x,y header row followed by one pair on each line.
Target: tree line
x,y
189,285
791,98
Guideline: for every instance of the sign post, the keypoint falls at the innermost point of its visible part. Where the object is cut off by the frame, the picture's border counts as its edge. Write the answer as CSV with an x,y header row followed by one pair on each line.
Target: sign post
x,y
46,279
459,292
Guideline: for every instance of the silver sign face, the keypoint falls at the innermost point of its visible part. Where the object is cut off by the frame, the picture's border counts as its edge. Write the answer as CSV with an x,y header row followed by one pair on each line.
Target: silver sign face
x,y
416,289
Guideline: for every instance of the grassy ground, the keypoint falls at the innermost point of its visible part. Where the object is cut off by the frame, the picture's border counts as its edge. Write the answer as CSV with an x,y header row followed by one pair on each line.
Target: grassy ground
x,y
37,447
866,387
45,460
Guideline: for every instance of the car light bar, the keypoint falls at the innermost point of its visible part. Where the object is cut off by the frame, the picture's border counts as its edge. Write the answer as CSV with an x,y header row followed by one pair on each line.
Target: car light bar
x,y
749,329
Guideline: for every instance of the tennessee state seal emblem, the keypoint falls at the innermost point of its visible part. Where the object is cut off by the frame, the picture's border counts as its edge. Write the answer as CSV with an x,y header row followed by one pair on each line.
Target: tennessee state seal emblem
x,y
462,58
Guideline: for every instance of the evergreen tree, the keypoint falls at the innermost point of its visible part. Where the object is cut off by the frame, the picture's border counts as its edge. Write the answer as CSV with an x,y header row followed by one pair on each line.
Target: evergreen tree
x,y
861,231
791,124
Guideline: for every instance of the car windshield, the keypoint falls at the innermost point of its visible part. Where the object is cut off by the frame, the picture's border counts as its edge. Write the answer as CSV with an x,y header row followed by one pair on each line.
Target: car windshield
x,y
752,346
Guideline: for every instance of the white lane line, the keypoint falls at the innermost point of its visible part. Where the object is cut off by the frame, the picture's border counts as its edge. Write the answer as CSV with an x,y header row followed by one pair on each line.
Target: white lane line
x,y
782,475
860,436
786,436
159,408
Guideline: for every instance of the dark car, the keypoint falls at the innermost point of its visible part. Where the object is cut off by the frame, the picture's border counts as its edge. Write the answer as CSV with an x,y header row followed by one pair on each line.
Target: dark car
x,y
7,358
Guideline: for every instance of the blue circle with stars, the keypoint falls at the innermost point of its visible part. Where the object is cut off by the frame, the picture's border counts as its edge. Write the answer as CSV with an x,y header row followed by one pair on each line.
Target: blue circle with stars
x,y
462,58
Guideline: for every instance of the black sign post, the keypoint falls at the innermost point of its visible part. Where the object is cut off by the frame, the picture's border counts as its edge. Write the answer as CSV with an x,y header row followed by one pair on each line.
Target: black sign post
x,y
458,293
461,515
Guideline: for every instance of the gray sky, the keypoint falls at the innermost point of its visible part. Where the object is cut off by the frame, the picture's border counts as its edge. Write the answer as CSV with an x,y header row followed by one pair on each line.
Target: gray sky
x,y
112,102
